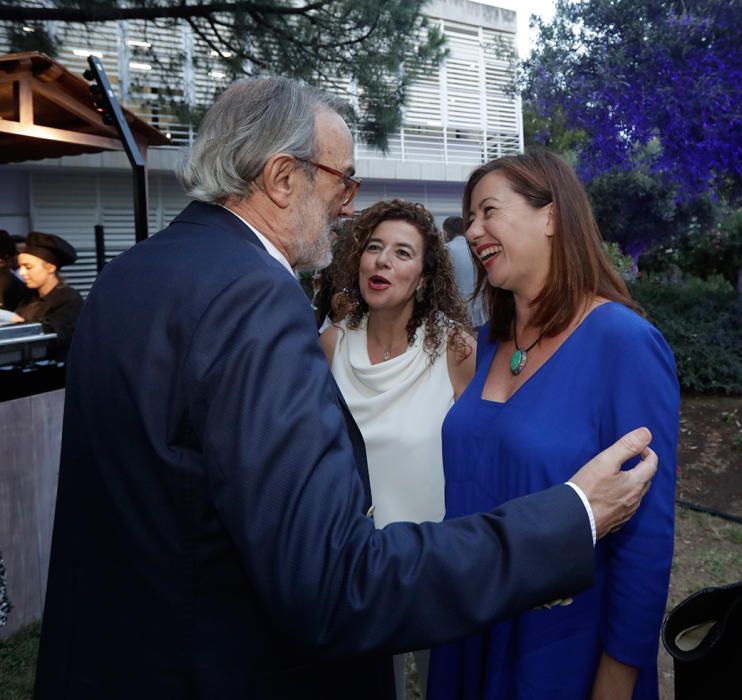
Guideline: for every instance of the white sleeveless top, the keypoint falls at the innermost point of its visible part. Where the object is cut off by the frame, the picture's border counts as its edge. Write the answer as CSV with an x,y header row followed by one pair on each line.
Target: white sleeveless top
x,y
399,406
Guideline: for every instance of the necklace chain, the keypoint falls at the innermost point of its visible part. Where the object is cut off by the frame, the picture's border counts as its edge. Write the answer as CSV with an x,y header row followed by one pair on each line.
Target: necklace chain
x,y
387,354
520,355
517,345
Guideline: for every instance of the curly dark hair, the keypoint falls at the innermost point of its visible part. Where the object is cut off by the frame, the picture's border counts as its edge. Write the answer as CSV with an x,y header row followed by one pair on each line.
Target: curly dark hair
x,y
328,286
441,308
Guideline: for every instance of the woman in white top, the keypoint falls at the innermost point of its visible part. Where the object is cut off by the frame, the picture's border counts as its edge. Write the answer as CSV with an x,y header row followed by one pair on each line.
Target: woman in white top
x,y
401,356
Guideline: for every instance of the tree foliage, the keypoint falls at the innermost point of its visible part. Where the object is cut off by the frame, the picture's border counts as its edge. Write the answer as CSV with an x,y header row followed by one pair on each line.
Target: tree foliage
x,y
701,251
377,47
645,79
702,322
636,208
551,131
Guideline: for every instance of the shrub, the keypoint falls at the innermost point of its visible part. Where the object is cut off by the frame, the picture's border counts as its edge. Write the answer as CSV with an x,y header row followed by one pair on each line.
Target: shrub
x,y
638,209
624,264
701,251
702,322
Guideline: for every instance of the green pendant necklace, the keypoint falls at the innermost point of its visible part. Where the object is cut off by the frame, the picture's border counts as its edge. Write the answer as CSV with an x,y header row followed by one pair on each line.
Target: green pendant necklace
x,y
520,355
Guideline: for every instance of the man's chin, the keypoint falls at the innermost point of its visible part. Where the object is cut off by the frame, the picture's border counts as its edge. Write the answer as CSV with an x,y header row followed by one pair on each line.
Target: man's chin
x,y
319,256
319,262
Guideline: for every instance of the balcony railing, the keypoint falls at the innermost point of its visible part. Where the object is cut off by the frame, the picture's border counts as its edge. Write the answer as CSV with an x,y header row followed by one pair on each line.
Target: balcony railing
x,y
418,144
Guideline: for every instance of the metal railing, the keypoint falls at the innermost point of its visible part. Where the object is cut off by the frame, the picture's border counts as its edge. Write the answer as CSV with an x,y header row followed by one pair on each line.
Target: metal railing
x,y
412,144
449,145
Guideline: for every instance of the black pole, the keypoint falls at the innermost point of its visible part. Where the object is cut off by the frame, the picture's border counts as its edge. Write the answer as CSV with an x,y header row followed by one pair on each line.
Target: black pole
x,y
140,203
108,105
100,248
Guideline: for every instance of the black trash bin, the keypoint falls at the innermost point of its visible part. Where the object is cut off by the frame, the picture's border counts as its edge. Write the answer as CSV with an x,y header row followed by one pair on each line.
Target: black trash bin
x,y
703,634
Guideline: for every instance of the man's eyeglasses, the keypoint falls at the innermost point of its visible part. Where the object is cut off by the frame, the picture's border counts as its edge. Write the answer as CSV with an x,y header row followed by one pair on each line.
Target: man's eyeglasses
x,y
352,184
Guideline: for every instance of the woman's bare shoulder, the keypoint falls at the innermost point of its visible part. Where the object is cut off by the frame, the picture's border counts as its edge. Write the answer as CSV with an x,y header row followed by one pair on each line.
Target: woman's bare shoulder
x,y
327,341
462,356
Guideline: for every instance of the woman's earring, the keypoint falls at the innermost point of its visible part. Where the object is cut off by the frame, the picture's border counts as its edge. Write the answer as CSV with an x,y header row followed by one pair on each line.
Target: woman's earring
x,y
419,294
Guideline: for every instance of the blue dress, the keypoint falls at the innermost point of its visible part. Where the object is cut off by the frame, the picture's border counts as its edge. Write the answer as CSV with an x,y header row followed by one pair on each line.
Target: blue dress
x,y
613,374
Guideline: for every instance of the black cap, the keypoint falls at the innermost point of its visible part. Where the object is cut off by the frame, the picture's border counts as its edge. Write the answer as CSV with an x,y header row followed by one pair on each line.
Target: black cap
x,y
51,248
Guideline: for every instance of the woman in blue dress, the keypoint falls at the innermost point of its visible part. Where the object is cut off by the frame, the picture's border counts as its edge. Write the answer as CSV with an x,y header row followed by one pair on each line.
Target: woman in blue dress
x,y
556,381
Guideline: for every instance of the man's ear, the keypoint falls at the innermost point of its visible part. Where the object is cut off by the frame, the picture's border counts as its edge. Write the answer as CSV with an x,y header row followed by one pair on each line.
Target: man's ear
x,y
280,179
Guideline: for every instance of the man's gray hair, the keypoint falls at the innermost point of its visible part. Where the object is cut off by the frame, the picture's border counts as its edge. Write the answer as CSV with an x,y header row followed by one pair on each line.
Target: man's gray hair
x,y
252,121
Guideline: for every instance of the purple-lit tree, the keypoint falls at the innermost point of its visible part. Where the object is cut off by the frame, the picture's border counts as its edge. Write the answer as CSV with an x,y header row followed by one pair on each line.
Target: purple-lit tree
x,y
650,81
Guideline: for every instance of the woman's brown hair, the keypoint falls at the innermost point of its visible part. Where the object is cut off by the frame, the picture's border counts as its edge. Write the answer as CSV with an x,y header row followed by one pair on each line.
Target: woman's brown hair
x,y
441,307
579,269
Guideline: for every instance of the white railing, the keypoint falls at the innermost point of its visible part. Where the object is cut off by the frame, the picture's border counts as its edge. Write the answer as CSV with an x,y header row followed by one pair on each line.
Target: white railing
x,y
412,144
418,144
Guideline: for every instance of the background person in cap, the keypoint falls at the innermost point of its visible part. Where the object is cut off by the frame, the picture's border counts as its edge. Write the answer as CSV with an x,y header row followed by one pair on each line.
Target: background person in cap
x,y
20,243
53,303
12,290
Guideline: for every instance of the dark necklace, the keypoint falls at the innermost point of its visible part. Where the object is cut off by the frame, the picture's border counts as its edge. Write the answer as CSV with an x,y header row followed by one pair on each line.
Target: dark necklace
x,y
520,355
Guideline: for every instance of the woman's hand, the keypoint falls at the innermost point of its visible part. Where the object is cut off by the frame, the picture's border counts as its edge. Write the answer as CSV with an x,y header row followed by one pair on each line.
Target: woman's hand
x,y
614,680
15,318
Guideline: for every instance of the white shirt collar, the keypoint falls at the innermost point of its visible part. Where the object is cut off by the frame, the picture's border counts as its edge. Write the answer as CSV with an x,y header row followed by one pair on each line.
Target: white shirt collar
x,y
269,247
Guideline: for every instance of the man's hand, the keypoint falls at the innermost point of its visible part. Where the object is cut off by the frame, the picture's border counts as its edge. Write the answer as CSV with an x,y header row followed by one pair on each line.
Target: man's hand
x,y
614,495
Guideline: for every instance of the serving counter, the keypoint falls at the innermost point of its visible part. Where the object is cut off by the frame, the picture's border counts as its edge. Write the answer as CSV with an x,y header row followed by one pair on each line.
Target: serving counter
x,y
31,405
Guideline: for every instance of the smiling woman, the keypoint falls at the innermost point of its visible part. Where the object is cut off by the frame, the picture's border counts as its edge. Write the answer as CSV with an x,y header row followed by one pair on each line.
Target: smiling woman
x,y
401,357
556,379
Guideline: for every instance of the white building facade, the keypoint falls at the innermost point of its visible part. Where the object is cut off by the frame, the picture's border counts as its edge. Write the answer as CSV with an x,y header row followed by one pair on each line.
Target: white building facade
x,y
456,118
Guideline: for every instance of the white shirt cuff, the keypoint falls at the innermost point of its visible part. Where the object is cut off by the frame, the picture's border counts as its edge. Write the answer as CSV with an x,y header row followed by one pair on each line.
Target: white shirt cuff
x,y
589,510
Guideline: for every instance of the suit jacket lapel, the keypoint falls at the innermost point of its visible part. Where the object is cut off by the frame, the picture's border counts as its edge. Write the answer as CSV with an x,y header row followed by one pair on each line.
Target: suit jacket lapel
x,y
212,214
359,447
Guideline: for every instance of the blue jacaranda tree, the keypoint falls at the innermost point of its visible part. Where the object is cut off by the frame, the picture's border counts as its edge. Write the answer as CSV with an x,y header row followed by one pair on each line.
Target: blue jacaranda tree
x,y
653,82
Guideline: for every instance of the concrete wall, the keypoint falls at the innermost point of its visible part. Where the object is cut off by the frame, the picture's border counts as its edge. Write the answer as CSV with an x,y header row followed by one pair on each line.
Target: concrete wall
x,y
474,13
14,201
30,439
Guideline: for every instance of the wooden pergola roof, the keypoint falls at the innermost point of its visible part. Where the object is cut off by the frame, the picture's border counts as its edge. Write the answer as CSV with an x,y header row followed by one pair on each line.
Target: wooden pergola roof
x,y
47,112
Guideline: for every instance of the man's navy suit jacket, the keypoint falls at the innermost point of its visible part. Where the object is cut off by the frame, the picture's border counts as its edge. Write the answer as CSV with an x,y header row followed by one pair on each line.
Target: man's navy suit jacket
x,y
211,538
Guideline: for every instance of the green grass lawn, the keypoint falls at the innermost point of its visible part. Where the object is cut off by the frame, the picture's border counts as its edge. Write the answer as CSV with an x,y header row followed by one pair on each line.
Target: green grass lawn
x,y
18,663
